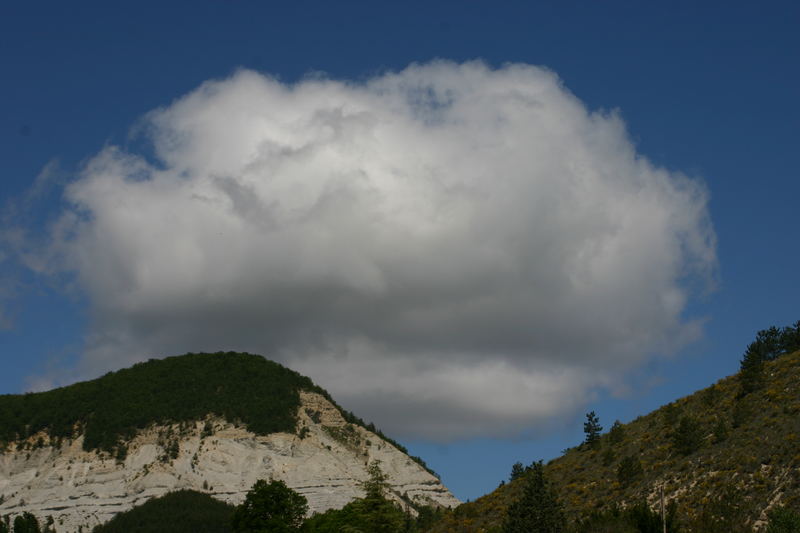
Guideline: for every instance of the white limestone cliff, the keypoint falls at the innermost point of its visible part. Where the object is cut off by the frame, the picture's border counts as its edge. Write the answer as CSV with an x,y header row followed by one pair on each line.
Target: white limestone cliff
x,y
325,461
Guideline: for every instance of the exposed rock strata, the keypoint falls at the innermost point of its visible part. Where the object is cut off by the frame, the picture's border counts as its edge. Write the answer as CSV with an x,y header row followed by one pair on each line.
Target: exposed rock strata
x,y
324,461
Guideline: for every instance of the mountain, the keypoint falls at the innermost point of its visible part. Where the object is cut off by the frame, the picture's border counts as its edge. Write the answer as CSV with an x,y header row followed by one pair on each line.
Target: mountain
x,y
212,423
723,458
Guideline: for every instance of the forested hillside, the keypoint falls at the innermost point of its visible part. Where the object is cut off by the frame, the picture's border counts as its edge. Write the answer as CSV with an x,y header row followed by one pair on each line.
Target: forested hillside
x,y
240,387
108,411
725,457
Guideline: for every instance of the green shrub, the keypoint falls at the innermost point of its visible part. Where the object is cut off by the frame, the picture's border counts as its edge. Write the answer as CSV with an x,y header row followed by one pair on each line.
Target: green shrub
x,y
688,436
629,469
782,520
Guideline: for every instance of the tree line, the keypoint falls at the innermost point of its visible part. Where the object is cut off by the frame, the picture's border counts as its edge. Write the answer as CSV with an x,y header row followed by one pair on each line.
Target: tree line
x,y
768,345
269,507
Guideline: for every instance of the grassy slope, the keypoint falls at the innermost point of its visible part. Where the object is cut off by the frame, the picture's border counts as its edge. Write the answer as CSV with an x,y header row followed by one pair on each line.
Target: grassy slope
x,y
758,462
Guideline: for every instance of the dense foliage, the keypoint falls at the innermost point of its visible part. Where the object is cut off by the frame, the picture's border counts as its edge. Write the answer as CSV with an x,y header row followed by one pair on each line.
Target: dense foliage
x,y
768,345
364,515
373,513
184,511
721,457
592,429
637,518
24,523
240,387
782,520
538,510
270,508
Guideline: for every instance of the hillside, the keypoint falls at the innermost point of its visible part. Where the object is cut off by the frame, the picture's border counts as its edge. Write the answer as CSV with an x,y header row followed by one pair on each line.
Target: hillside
x,y
212,423
107,411
723,460
239,387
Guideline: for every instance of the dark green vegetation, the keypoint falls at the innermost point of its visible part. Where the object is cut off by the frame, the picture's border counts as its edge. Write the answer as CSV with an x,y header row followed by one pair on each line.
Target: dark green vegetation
x,y
373,513
538,509
364,515
722,456
782,520
636,518
24,523
769,345
272,507
241,387
592,430
184,511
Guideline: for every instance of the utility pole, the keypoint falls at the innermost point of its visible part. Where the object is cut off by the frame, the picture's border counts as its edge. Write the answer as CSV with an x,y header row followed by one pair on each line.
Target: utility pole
x,y
663,518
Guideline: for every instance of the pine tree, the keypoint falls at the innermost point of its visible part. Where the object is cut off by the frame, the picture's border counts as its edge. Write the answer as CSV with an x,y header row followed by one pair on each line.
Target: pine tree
x,y
770,344
628,470
688,436
538,510
377,484
790,338
617,433
592,429
516,471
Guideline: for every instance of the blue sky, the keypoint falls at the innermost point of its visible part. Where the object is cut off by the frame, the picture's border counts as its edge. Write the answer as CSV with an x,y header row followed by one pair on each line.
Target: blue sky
x,y
707,90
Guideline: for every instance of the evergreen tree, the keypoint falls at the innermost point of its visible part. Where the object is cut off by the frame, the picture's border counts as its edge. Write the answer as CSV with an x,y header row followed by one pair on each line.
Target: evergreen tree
x,y
671,413
720,431
26,523
790,338
516,471
617,433
381,515
371,514
377,484
751,369
270,507
538,510
629,469
688,436
592,429
769,341
769,344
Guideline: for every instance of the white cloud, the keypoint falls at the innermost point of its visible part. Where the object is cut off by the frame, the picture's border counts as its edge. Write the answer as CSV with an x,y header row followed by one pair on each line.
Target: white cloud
x,y
451,250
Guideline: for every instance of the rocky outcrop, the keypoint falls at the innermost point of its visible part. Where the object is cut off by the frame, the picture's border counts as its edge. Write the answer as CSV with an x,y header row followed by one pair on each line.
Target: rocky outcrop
x,y
325,461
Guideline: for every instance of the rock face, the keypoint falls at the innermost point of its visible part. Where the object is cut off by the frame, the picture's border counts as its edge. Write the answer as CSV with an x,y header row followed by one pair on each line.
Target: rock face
x,y
325,461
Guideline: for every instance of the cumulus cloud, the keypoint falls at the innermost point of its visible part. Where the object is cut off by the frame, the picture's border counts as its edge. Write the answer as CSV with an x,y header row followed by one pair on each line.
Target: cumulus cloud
x,y
451,250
